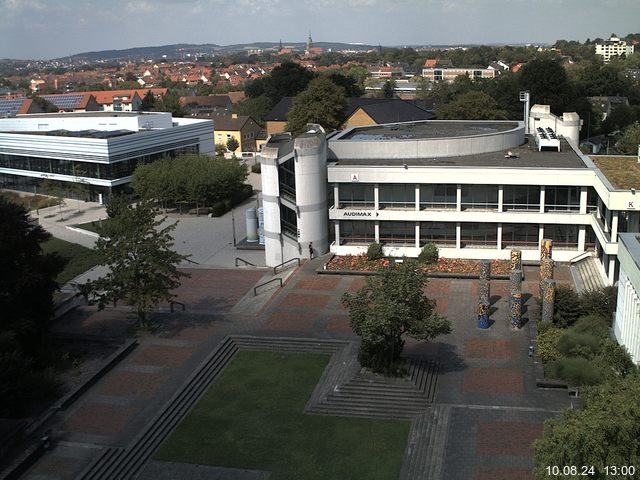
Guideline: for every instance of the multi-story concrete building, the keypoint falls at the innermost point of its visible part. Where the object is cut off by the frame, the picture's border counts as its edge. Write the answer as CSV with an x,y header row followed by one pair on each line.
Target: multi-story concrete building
x,y
614,47
97,149
475,188
626,325
437,74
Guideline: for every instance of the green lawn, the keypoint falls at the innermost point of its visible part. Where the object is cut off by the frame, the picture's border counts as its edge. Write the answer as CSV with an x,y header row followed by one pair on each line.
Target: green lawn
x,y
252,417
93,226
80,259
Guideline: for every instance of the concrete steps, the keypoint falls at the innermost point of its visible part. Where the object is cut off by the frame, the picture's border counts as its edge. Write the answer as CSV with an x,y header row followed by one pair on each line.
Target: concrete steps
x,y
126,463
424,455
588,275
371,395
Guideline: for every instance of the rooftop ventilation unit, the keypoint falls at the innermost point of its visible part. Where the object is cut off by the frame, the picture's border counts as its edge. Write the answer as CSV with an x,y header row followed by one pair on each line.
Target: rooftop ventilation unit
x,y
547,139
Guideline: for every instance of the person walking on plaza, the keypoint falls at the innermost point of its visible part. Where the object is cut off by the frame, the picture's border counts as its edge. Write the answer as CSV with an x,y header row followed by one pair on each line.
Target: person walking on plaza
x,y
310,250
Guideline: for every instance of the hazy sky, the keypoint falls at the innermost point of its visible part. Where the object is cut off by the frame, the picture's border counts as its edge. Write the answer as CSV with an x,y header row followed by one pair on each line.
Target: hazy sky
x,y
43,29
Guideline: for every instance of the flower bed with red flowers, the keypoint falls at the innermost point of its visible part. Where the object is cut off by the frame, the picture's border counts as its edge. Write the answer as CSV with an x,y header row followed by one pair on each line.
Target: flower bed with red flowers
x,y
360,263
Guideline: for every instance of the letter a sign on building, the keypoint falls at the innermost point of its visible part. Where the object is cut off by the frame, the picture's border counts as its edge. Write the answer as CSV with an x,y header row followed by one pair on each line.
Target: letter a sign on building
x,y
354,177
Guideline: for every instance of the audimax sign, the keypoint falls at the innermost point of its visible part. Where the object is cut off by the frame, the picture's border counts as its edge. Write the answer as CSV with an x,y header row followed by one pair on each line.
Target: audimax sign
x,y
359,214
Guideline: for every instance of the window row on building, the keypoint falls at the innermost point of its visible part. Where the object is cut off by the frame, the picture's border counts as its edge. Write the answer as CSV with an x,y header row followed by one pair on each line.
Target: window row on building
x,y
75,168
472,197
452,234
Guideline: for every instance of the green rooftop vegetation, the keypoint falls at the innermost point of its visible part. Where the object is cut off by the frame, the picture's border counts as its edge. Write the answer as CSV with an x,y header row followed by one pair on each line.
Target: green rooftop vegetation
x,y
622,172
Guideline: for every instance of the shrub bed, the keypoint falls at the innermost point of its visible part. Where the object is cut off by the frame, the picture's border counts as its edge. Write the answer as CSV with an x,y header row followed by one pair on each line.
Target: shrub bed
x,y
443,265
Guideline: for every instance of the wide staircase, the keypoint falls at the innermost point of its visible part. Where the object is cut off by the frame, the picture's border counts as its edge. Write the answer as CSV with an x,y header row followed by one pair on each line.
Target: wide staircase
x,y
588,275
344,389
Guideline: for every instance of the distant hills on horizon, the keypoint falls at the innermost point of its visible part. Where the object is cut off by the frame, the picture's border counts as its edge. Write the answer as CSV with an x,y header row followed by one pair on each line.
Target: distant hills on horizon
x,y
179,50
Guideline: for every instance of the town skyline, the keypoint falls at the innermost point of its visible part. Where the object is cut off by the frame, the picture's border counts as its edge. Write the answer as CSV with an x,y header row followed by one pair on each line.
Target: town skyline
x,y
33,29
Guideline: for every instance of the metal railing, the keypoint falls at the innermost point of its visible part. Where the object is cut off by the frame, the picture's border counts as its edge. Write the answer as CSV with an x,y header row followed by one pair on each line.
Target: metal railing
x,y
174,302
275,269
255,289
238,259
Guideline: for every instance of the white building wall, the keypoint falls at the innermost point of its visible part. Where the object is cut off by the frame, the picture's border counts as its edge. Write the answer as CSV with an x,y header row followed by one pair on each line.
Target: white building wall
x,y
274,247
626,325
311,192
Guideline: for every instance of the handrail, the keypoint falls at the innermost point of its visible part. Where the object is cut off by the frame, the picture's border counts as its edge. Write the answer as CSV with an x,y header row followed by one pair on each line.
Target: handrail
x,y
244,261
585,254
284,263
255,289
175,302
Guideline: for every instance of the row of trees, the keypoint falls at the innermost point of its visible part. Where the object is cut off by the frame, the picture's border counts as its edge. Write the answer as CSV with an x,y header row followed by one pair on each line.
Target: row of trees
x,y
27,285
194,179
578,347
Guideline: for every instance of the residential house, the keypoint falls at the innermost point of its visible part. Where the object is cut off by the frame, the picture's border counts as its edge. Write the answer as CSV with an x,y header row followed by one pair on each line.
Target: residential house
x,y
10,107
74,102
241,127
206,106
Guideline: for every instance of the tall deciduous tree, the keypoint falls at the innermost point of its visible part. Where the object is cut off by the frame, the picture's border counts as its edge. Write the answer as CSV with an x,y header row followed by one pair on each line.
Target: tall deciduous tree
x,y
472,105
391,305
605,432
322,102
548,83
143,266
27,284
630,139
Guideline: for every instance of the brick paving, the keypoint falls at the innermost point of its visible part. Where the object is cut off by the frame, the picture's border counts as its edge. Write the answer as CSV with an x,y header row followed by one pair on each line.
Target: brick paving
x,y
132,384
485,376
507,438
291,321
99,418
502,473
162,356
493,381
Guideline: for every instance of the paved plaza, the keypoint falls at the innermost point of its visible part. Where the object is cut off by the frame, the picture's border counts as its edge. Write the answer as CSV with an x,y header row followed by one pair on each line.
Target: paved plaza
x,y
486,383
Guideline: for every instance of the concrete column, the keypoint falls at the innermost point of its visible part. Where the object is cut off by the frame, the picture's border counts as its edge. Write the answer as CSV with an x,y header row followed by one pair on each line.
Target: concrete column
x,y
582,235
376,230
599,209
500,199
417,197
417,234
540,235
542,189
336,196
607,217
459,199
583,200
458,232
614,226
376,197
499,236
337,232
612,269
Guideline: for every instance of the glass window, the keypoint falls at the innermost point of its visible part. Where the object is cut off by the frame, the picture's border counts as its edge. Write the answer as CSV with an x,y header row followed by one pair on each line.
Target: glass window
x,y
398,233
438,196
442,234
523,235
521,197
289,222
62,167
357,232
562,199
592,200
563,236
479,235
479,197
358,195
397,196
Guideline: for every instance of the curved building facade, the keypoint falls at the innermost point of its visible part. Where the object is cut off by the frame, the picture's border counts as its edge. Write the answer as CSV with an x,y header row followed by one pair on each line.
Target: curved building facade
x,y
476,189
